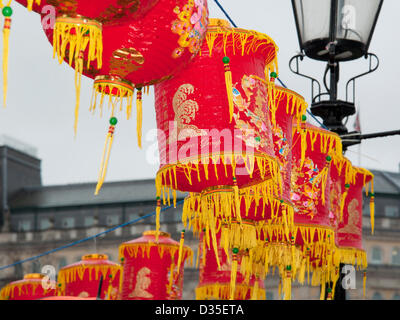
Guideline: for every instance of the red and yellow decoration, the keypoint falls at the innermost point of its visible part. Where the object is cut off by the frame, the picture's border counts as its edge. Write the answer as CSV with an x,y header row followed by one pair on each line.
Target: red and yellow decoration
x,y
214,144
216,283
153,268
32,287
82,278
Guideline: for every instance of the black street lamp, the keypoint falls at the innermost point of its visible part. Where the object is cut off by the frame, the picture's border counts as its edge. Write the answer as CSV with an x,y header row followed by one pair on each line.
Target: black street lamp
x,y
334,31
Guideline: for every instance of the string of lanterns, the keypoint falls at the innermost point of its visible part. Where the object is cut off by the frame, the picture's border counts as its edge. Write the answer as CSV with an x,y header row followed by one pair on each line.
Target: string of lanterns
x,y
278,194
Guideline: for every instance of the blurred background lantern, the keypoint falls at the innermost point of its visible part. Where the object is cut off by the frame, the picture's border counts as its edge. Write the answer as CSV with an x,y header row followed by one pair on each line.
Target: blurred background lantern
x,y
153,269
96,38
215,283
215,135
83,278
34,286
346,189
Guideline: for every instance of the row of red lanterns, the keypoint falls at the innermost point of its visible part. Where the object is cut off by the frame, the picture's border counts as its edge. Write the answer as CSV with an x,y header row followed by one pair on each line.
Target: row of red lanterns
x,y
280,195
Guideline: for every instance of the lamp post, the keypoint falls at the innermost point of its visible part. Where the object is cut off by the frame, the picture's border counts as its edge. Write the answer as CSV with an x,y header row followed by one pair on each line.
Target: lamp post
x,y
335,31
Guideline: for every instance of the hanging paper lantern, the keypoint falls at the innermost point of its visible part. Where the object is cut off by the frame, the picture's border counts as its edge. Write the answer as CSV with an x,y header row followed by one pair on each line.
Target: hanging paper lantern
x,y
314,151
227,100
82,279
215,283
347,184
31,287
153,270
123,46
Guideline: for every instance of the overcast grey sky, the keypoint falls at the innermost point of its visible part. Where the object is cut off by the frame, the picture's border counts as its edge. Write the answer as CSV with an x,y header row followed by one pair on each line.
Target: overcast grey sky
x,y
41,96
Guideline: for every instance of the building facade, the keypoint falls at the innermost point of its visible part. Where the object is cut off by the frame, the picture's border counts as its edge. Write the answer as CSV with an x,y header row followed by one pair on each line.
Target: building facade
x,y
37,219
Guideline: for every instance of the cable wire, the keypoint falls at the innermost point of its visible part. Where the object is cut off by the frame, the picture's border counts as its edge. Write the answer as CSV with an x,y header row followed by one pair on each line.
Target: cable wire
x,y
87,239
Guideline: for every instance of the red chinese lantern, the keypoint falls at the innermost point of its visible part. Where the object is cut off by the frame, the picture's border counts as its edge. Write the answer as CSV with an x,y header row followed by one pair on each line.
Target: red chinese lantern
x,y
314,151
347,184
82,279
218,95
29,288
258,206
153,269
215,283
123,46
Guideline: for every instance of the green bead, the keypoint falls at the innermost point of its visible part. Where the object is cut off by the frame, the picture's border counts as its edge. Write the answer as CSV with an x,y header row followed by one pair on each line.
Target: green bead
x,y
113,121
122,259
274,75
329,290
347,186
59,284
371,194
303,118
204,230
226,60
7,11
258,139
288,268
266,240
235,250
281,201
110,276
183,230
328,158
139,89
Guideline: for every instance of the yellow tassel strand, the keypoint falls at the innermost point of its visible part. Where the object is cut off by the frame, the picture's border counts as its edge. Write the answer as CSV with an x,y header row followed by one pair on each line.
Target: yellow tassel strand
x,y
78,78
106,154
254,295
287,283
229,86
181,242
139,116
364,284
372,211
7,12
234,269
158,213
343,201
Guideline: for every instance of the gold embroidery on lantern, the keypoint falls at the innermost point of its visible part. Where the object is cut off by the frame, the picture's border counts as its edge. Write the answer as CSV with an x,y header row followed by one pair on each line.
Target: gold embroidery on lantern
x,y
185,111
352,225
143,282
67,7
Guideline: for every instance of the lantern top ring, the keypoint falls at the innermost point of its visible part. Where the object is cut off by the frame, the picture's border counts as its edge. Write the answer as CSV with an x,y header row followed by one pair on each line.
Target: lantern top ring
x,y
95,256
33,276
154,233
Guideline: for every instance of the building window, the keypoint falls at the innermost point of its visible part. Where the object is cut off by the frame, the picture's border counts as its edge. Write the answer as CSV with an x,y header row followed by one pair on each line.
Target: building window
x,y
391,211
396,256
88,222
112,220
35,267
62,262
68,222
24,225
45,223
376,296
376,256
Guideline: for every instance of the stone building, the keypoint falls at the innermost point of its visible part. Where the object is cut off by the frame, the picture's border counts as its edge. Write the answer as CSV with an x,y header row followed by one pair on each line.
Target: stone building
x,y
36,219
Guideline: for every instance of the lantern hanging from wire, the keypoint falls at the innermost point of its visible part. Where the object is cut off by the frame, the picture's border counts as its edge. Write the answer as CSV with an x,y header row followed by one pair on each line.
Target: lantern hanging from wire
x,y
259,208
32,287
314,151
125,46
346,191
153,269
82,279
194,112
216,283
